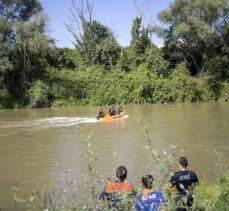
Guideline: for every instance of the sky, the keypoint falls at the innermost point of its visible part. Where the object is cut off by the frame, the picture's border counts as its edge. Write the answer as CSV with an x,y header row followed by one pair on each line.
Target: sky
x,y
116,14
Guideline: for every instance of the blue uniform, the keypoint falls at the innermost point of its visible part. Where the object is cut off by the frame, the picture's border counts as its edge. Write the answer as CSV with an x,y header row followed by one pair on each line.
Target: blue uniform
x,y
149,200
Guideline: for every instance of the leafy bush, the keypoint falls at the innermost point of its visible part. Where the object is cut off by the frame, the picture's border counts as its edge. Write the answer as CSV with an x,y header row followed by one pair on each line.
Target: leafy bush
x,y
155,61
215,197
187,88
38,95
222,202
6,100
225,91
96,86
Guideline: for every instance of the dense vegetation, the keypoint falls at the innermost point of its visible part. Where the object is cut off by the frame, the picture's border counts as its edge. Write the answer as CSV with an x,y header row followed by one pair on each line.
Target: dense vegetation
x,y
192,66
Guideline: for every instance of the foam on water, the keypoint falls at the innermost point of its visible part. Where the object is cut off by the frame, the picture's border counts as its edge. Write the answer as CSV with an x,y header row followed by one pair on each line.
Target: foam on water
x,y
49,122
52,122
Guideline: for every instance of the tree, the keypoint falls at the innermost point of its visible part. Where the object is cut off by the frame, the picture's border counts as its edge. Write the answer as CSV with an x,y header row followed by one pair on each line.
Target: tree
x,y
108,53
95,42
93,35
143,51
195,29
139,42
155,61
32,46
22,38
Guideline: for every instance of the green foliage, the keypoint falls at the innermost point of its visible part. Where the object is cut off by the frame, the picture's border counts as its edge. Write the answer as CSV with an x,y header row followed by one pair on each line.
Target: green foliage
x,y
65,86
38,95
187,88
217,67
108,53
5,67
140,40
213,197
96,44
32,45
225,91
155,61
24,47
139,43
96,86
66,58
5,99
223,199
100,71
197,29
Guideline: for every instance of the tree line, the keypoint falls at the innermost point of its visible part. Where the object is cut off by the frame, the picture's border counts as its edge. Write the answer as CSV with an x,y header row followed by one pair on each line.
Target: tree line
x,y
192,66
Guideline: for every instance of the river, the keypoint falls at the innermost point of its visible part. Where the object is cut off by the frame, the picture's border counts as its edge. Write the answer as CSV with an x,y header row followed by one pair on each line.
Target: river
x,y
37,145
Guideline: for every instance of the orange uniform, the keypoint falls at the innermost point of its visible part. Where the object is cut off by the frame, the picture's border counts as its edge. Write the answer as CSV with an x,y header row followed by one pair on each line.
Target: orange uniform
x,y
114,187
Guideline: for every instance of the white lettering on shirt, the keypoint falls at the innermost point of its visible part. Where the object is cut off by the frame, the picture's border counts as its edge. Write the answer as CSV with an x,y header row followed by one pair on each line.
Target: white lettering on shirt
x,y
184,177
151,196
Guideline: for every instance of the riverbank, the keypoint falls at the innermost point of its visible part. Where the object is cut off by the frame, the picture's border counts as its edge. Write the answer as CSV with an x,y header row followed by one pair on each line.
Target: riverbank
x,y
94,86
213,197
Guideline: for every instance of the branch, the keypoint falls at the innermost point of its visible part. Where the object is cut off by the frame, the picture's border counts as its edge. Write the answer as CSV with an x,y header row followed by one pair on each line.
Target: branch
x,y
80,14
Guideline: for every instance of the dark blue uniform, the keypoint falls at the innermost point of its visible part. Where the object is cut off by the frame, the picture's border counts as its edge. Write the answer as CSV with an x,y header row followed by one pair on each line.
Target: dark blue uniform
x,y
112,112
148,201
183,181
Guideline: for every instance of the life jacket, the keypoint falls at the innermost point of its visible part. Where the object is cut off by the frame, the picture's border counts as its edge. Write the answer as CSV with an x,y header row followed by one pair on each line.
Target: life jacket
x,y
115,187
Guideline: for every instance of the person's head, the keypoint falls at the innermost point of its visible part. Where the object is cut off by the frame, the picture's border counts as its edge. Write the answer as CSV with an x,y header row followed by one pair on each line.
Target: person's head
x,y
121,173
147,181
183,162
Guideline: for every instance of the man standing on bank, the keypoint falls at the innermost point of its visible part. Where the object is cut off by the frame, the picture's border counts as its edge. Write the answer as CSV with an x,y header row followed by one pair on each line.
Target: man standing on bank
x,y
184,181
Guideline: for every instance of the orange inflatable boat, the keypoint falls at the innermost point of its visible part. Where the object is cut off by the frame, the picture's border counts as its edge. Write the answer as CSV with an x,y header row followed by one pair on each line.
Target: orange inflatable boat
x,y
108,117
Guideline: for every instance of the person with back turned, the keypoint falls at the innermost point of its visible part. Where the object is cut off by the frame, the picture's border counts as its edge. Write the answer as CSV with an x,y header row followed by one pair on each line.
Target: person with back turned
x,y
112,111
114,191
184,181
101,114
149,200
120,110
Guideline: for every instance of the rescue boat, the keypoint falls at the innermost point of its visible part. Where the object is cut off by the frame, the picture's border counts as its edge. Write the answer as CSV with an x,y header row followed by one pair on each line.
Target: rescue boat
x,y
108,117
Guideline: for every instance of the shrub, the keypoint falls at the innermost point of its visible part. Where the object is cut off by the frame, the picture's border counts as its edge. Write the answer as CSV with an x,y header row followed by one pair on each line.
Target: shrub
x,y
6,100
187,88
38,95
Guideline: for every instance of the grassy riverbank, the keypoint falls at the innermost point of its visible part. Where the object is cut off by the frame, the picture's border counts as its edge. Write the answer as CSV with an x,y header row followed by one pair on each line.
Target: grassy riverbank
x,y
206,197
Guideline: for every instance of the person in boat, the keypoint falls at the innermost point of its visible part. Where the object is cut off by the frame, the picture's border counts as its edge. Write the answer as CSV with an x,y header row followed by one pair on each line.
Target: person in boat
x,y
112,111
114,191
149,199
120,110
101,114
184,181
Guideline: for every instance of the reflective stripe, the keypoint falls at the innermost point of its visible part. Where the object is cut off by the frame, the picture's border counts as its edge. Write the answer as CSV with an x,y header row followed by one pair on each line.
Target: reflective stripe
x,y
114,187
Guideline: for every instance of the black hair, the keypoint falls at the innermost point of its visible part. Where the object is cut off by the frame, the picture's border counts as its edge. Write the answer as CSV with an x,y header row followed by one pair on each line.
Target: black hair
x,y
183,161
121,173
147,181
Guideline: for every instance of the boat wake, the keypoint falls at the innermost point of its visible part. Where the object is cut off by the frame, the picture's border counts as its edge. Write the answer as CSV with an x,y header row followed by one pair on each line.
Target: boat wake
x,y
126,116
49,122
